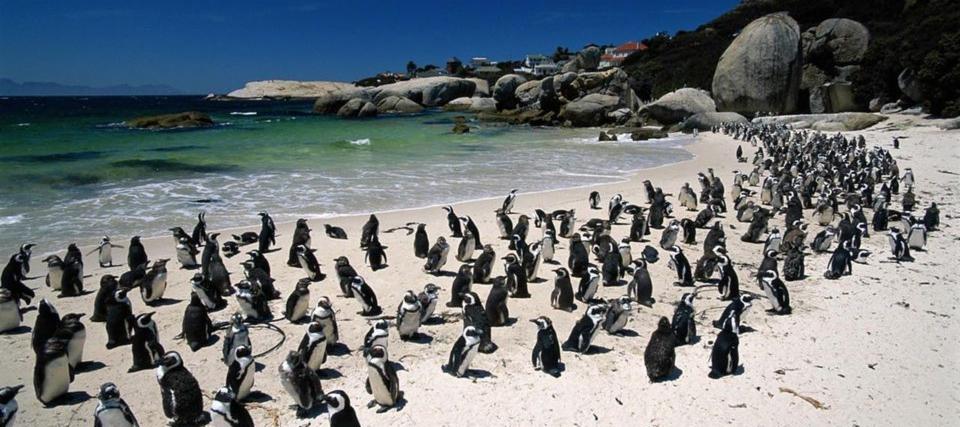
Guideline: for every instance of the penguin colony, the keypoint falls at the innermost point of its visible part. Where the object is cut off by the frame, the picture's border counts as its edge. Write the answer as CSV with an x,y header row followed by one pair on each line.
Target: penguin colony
x,y
806,177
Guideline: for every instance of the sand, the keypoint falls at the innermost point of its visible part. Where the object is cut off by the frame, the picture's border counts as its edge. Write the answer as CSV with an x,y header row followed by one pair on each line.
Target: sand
x,y
876,348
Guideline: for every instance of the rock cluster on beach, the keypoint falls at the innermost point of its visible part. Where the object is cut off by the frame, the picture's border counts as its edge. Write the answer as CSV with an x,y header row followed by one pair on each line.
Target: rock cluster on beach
x,y
189,119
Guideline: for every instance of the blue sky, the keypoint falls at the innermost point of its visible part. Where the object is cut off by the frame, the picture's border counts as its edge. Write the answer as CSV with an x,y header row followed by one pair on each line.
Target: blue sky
x,y
205,46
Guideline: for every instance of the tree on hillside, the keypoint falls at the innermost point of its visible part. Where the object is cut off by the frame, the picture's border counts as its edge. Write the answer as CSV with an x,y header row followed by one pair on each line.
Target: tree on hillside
x,y
411,67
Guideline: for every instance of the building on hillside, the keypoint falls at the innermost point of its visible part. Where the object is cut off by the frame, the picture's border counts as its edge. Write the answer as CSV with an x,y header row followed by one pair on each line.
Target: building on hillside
x,y
480,61
538,65
613,56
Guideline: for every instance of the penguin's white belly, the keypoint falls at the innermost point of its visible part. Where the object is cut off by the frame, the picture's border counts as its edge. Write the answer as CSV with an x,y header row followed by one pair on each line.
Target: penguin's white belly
x,y
591,290
204,298
409,323
185,258
289,387
467,359
75,347
619,323
917,239
547,251
217,419
626,258
316,357
381,392
247,308
106,256
55,276
56,379
113,417
246,384
428,310
157,287
301,308
329,332
9,315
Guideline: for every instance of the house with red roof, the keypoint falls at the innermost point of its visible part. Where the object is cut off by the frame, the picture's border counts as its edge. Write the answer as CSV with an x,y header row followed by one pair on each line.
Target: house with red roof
x,y
613,56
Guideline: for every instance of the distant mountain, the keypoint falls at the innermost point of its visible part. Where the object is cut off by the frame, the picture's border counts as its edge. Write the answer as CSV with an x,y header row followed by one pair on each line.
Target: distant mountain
x,y
9,87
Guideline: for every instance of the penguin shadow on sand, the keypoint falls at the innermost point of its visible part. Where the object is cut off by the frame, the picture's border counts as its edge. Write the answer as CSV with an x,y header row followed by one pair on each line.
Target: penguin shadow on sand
x,y
674,375
163,302
258,396
19,330
339,349
625,333
89,366
72,398
420,338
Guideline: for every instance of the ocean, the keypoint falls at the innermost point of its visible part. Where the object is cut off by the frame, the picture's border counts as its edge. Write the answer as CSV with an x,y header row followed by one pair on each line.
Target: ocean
x,y
71,172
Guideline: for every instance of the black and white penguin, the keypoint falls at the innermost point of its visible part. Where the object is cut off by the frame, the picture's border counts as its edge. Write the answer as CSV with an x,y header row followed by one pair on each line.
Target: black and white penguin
x,y
268,233
421,242
917,237
589,283
241,373
208,294
548,246
464,350
340,412
334,232
13,276
187,254
483,265
112,410
298,303
230,249
409,316
618,314
145,343
509,201
10,317
774,239
898,245
461,285
313,346
108,286
257,276
377,335
684,326
437,256
660,355
226,410
196,326
428,302
582,334
639,228
453,221
71,281
51,373
776,292
119,320
136,254
578,260
729,284
640,288
546,351
326,317
376,254
238,335
823,240
732,314
769,262
841,262
369,231
181,395
253,302
54,276
309,264
300,382
73,331
301,236
615,208
562,296
498,314
45,326
104,251
468,224
366,297
475,315
199,234
154,283
725,355
382,381
568,223
680,264
345,274
516,277
466,247
931,217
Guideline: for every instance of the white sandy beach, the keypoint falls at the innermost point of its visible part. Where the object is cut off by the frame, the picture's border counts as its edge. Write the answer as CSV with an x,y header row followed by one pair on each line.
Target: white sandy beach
x,y
876,348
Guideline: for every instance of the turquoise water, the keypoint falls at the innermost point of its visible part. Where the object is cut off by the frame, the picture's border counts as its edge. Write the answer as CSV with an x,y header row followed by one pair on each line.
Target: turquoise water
x,y
70,173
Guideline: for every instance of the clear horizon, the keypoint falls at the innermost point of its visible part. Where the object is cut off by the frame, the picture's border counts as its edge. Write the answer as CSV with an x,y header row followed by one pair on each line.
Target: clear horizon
x,y
201,47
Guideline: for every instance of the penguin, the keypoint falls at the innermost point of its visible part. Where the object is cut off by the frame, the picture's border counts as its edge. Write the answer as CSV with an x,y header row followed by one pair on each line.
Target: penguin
x,y
505,225
898,245
376,256
181,395
377,335
8,405
594,200
822,241
253,303
230,249
112,410
199,234
145,343
461,286
208,294
776,292
119,320
300,382
10,317
428,302
301,236
154,283
917,238
187,254
793,264
841,262
46,324
611,270
51,373
104,251
615,208
326,317
472,227
345,274
509,201
589,283
226,410
498,314
931,217
54,272
409,316
453,221
421,242
71,281
13,276
769,262
298,303
241,373
309,263
260,261
660,355
268,233
180,233
732,314
334,232
729,284
463,352
341,413
466,247
257,276
108,286
578,260
196,326
568,223
382,381
437,256
546,351
548,246
639,227
725,355
475,315
582,334
684,326
136,254
516,277
366,297
483,265
238,335
618,314
562,296
216,272
74,333
640,288
774,239
313,346
369,231
680,264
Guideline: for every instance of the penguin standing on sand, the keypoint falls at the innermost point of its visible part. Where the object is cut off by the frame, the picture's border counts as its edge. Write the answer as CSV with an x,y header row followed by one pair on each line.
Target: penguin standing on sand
x,y
313,346
898,245
71,281
466,247
119,320
475,315
187,254
578,260
725,355
382,381
112,410
54,272
463,352
369,231
326,317
468,224
8,405
376,256
154,283
660,355
253,303
562,296
10,316
546,352
298,303
180,391
366,297
199,234
729,284
437,256
74,333
207,293
618,314
509,201
46,324
301,236
196,326
731,316
640,288
341,413
51,373
498,314
461,285
145,343
105,252
594,200
268,233
257,276
136,254
453,221
776,292
13,276
421,242
841,262
483,265
680,264
409,316
377,335
238,335
684,326
589,283
300,382
241,373
504,224
548,246
345,274
309,263
428,302
582,334
108,285
226,410
516,277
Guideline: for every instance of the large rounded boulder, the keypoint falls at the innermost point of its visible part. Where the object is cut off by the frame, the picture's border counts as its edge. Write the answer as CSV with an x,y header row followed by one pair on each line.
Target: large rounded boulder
x,y
707,121
760,70
679,104
398,104
504,91
357,108
837,41
591,110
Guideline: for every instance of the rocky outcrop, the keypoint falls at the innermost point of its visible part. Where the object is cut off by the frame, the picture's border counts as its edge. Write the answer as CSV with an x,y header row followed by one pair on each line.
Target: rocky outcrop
x,y
473,105
832,52
951,124
460,125
909,86
591,110
678,105
189,119
331,103
587,59
428,92
504,91
760,70
839,122
398,104
706,121
357,108
528,93
483,88
288,89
